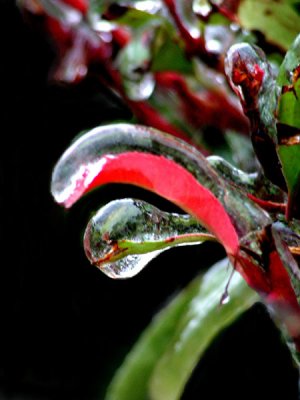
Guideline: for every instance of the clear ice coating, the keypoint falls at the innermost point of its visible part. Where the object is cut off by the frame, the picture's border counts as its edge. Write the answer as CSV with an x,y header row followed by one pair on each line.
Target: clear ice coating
x,y
188,17
202,8
87,156
218,38
125,235
148,6
225,298
248,71
141,88
133,62
85,159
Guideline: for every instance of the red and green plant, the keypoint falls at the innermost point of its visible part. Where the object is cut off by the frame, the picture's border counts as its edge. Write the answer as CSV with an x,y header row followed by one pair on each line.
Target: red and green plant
x,y
181,67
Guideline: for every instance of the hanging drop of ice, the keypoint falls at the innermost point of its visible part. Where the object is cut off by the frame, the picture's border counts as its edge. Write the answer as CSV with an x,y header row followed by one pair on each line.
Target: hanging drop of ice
x,y
125,235
202,8
225,298
140,89
148,6
218,38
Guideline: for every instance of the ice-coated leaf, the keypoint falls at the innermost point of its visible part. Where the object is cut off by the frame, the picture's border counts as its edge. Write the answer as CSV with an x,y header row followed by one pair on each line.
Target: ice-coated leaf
x,y
141,156
185,327
123,236
251,77
251,183
279,21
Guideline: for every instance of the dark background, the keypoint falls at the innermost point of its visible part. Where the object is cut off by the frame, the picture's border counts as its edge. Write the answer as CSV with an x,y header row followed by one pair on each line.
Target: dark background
x,y
64,326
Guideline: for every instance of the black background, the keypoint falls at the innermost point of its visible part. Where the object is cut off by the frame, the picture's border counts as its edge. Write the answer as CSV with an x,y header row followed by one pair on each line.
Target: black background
x,y
65,327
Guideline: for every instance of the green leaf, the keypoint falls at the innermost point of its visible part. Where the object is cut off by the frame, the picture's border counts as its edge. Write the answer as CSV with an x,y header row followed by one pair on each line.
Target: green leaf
x,y
289,79
169,56
138,19
288,115
133,56
290,62
289,157
289,106
279,21
165,355
132,62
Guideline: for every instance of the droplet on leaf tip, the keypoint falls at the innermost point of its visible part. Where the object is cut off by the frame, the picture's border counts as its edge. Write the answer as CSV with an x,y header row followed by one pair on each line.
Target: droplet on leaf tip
x,y
225,298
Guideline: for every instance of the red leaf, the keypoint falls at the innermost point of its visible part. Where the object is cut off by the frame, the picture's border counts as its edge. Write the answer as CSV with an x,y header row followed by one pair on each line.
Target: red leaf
x,y
253,274
283,298
281,288
274,285
164,177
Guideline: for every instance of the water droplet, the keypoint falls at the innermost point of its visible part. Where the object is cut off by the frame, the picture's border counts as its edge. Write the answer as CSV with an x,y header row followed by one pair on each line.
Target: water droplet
x,y
218,38
148,6
225,298
202,8
140,89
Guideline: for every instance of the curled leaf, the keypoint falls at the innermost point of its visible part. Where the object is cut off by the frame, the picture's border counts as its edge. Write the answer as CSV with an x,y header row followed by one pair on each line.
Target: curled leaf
x,y
142,156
